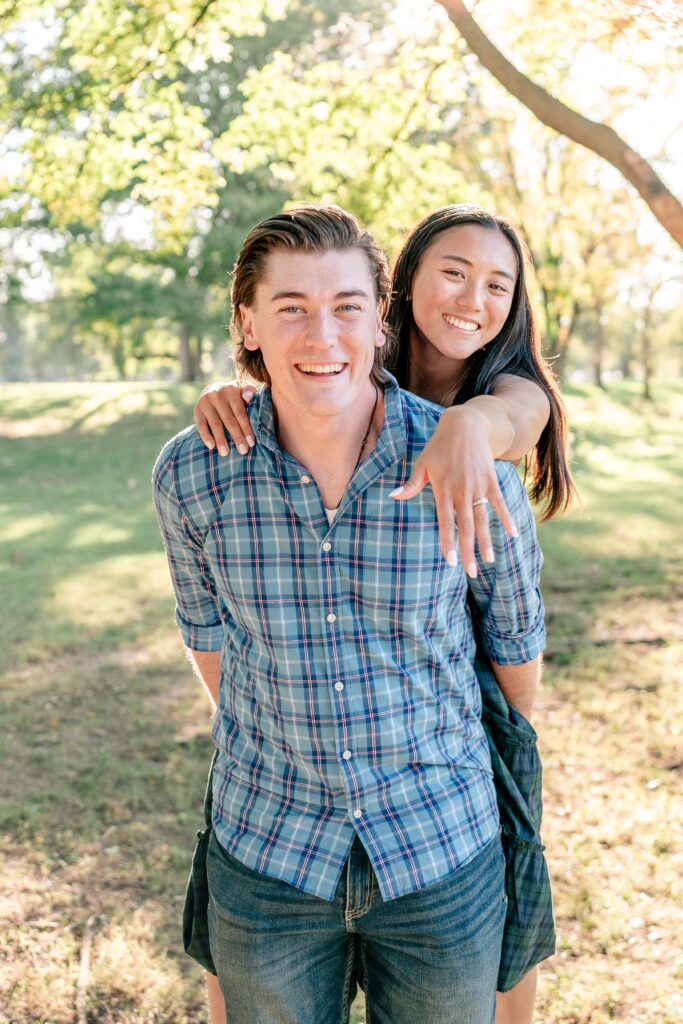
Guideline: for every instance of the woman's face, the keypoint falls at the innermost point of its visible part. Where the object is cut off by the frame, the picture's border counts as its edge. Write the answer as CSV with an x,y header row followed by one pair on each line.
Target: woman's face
x,y
462,291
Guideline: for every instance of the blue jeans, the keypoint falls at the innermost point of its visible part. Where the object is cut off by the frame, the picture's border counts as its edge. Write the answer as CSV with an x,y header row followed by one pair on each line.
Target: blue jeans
x,y
284,957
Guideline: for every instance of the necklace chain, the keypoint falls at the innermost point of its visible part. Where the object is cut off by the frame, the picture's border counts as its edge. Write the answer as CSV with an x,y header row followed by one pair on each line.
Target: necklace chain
x,y
367,432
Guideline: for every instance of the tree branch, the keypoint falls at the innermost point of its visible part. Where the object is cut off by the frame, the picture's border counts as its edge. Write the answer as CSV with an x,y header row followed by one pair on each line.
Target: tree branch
x,y
595,136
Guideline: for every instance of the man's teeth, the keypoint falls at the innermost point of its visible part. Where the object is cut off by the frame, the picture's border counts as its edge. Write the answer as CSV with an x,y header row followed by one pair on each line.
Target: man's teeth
x,y
464,325
321,367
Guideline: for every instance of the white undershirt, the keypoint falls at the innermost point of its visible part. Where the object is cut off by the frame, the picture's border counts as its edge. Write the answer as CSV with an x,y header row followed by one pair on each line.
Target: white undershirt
x,y
331,513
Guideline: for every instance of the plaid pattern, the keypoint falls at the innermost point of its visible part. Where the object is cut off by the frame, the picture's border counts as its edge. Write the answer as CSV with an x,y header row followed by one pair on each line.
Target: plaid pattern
x,y
529,935
349,701
196,904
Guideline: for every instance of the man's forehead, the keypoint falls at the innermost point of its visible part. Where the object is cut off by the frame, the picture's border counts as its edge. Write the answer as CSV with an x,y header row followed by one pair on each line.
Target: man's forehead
x,y
298,272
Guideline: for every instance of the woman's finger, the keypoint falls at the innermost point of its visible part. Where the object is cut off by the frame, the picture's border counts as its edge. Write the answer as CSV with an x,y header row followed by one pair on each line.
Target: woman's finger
x,y
445,514
413,485
204,430
215,425
466,538
498,503
480,508
230,405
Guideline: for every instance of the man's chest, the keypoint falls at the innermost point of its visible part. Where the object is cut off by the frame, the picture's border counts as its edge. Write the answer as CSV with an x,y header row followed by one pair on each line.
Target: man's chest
x,y
279,566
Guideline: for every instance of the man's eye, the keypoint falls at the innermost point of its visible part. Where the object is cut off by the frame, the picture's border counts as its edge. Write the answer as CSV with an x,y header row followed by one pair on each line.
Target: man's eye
x,y
291,309
348,307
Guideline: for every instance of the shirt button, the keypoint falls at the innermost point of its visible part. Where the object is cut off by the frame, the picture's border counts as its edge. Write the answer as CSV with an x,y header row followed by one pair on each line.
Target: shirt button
x,y
331,617
327,546
305,479
358,813
339,686
347,754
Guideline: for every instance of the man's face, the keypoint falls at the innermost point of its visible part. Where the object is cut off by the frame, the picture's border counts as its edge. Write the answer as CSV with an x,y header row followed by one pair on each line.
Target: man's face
x,y
316,320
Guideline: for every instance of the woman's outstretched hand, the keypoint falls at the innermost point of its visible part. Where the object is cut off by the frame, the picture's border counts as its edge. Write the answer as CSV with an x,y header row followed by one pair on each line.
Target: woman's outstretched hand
x,y
458,463
223,407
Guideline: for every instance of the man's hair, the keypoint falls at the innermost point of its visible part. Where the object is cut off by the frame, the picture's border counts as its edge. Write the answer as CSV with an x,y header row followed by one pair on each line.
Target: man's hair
x,y
305,228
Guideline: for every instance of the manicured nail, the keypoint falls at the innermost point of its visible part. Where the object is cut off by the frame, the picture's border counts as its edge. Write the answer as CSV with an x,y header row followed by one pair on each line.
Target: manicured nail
x,y
452,557
242,449
222,450
489,555
514,532
211,444
247,396
472,570
397,492
250,441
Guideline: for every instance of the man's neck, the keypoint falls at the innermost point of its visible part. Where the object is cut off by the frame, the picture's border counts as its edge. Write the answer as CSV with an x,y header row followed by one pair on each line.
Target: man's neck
x,y
330,447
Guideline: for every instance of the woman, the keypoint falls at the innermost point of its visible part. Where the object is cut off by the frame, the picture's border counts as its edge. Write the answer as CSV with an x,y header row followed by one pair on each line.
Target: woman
x,y
462,334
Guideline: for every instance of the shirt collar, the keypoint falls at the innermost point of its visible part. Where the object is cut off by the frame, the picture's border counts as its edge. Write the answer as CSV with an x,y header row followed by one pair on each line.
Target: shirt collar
x,y
391,444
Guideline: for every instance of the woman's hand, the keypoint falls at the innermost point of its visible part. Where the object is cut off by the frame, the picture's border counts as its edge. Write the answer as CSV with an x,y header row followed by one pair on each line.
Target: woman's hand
x,y
224,406
458,463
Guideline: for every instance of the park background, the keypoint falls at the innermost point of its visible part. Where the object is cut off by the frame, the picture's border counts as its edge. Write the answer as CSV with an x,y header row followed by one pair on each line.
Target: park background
x,y
141,139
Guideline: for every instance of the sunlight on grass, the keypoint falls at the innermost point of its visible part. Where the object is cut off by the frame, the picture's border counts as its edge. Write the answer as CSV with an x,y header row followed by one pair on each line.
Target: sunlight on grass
x,y
105,742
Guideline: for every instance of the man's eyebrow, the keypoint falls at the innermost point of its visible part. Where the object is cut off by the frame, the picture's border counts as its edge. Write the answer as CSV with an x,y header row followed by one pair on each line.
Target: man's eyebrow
x,y
468,263
357,292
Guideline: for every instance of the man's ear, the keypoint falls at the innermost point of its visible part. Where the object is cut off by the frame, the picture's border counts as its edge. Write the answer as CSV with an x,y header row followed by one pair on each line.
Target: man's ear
x,y
380,336
248,336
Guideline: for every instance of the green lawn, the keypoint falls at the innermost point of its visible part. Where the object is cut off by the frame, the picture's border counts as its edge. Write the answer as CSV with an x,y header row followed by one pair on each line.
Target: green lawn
x,y
105,743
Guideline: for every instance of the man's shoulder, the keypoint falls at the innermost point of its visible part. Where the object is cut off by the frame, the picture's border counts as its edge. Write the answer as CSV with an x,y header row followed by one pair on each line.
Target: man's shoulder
x,y
191,475
420,416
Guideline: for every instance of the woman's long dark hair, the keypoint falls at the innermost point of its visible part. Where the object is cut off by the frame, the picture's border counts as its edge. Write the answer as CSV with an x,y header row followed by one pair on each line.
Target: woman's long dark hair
x,y
516,349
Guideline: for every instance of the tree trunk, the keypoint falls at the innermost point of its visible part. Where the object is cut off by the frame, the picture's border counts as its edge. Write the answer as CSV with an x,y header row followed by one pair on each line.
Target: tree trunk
x,y
14,357
599,138
187,361
599,349
646,354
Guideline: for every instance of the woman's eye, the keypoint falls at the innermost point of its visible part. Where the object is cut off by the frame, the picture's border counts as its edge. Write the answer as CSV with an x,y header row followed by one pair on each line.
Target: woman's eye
x,y
454,273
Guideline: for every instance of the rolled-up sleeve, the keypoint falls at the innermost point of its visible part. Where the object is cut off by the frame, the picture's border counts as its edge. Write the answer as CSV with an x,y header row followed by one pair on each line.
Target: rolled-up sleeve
x,y
506,593
198,609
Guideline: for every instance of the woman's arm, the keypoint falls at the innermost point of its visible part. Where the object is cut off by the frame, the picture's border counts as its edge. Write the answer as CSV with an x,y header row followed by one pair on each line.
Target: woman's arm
x,y
516,413
458,462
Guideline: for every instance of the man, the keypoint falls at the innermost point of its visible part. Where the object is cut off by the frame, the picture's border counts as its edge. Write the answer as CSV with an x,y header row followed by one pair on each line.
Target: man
x,y
356,831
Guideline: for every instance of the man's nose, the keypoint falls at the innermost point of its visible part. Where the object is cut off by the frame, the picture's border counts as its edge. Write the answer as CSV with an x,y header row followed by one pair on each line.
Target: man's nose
x,y
322,330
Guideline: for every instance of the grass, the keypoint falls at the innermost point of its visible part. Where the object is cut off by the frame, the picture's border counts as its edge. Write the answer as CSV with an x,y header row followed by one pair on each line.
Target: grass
x,y
105,741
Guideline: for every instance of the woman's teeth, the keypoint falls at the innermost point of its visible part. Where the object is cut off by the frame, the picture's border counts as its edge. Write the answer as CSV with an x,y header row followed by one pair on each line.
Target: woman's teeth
x,y
464,325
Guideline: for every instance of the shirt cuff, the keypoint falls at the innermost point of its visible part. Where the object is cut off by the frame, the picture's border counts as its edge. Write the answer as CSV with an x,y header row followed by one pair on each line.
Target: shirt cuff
x,y
516,650
200,638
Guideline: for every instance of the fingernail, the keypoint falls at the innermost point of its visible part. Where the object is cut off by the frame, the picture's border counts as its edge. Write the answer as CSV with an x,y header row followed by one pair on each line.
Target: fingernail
x,y
452,557
514,532
489,555
472,570
250,441
222,450
397,492
242,449
211,444
247,396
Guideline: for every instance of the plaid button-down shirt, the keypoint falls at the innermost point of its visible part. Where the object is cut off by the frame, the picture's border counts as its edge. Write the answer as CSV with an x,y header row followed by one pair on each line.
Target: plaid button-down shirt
x,y
348,699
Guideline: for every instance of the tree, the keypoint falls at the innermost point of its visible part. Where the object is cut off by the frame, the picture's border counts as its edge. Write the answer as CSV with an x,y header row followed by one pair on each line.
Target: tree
x,y
599,138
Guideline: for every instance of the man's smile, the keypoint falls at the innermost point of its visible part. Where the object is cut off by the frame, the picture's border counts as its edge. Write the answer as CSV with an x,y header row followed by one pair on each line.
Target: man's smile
x,y
321,369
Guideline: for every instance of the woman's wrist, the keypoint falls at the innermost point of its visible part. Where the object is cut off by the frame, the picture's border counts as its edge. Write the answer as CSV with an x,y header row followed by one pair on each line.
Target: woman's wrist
x,y
487,413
